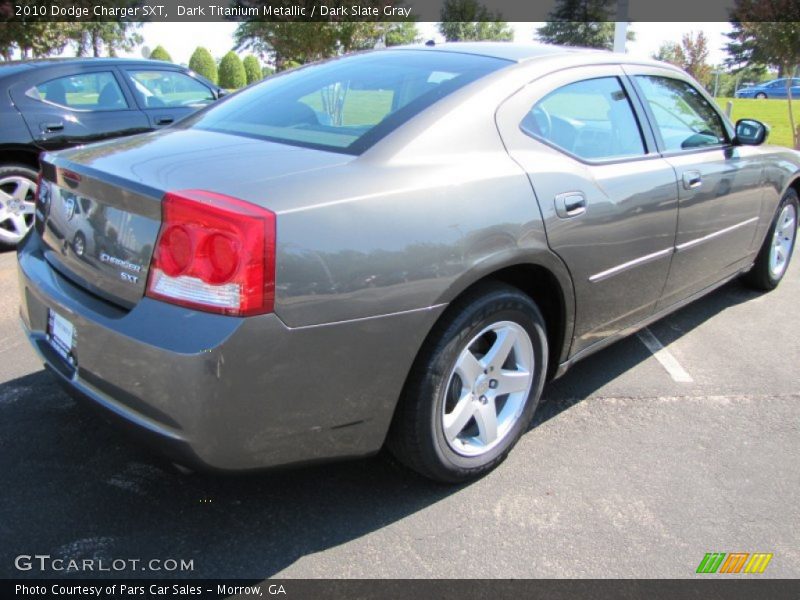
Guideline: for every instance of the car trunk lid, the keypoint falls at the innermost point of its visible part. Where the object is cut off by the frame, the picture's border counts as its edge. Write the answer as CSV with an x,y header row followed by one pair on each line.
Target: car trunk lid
x,y
101,220
97,233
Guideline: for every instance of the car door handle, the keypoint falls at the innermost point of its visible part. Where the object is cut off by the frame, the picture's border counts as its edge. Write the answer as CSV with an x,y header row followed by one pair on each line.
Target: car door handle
x,y
51,127
570,204
692,180
165,120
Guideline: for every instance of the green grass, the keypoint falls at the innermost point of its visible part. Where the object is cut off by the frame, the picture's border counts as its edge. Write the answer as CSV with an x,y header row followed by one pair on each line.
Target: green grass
x,y
774,113
361,107
82,99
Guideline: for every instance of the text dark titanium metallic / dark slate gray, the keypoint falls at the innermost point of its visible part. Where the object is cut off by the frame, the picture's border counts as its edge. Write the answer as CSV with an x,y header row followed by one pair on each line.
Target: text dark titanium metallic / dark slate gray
x,y
394,247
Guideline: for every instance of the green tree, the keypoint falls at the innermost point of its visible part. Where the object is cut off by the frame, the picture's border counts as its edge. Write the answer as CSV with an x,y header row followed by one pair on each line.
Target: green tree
x,y
159,53
252,69
7,41
740,59
586,23
203,64
232,75
694,47
469,20
282,41
670,52
740,48
92,37
301,42
401,32
767,32
32,38
691,55
351,36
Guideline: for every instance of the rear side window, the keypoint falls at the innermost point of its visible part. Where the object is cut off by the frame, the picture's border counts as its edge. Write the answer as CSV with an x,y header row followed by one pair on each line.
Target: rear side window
x,y
86,91
168,89
591,119
684,118
345,105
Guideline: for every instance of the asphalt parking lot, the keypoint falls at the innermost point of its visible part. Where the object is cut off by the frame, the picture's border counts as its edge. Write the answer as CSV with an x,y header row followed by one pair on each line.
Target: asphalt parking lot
x,y
625,473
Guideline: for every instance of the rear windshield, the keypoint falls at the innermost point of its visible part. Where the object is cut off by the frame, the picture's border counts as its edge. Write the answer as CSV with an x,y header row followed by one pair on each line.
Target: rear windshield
x,y
345,105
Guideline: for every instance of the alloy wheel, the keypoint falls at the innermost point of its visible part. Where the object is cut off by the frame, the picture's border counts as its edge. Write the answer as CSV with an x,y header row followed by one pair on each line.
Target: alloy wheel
x,y
488,388
783,240
17,205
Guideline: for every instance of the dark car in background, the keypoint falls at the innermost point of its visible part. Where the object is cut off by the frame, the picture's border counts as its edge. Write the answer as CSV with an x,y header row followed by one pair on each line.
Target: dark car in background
x,y
58,103
776,88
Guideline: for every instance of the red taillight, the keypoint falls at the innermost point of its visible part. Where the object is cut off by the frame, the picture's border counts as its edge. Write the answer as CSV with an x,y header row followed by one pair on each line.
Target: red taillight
x,y
214,253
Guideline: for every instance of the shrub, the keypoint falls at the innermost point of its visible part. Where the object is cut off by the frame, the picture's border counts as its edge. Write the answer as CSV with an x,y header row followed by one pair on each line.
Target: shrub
x,y
252,69
232,75
159,53
203,64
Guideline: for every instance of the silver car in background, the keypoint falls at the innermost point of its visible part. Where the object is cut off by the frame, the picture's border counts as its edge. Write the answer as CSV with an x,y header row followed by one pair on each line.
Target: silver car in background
x,y
397,247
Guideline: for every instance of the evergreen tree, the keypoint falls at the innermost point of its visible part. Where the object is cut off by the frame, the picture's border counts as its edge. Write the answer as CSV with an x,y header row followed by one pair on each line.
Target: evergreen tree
x,y
252,69
232,75
586,23
159,53
203,64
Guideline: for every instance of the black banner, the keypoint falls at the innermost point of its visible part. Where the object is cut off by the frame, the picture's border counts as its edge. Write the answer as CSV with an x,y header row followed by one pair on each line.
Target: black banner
x,y
399,589
380,10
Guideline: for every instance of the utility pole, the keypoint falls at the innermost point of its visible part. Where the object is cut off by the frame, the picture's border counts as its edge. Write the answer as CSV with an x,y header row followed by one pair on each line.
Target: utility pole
x,y
621,26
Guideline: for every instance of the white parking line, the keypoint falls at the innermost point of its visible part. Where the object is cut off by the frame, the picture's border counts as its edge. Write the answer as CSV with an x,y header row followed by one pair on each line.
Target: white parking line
x,y
664,356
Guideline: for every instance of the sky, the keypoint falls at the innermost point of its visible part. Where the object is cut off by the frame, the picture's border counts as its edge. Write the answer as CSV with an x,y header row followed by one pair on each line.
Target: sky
x,y
180,39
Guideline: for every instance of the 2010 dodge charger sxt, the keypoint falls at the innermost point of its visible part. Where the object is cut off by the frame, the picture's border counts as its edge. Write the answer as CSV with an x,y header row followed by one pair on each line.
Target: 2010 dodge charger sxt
x,y
395,247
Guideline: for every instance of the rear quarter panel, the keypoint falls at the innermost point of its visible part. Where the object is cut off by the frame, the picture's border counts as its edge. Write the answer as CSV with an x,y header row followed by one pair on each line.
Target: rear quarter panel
x,y
401,236
782,169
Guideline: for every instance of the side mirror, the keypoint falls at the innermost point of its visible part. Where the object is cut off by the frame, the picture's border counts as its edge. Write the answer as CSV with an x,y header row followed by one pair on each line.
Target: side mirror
x,y
750,132
221,92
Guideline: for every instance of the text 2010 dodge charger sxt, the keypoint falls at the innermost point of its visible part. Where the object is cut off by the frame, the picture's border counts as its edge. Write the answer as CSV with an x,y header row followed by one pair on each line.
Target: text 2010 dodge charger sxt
x,y
395,247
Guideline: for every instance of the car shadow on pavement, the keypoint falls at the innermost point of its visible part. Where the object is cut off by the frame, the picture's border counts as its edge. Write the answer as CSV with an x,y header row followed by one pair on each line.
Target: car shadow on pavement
x,y
592,373
75,488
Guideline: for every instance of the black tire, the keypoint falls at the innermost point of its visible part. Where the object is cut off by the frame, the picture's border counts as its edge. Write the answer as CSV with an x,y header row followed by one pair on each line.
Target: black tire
x,y
761,277
416,437
16,170
760,96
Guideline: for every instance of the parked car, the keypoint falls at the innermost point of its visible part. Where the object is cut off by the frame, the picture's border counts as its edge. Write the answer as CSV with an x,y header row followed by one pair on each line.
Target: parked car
x,y
771,89
57,103
267,287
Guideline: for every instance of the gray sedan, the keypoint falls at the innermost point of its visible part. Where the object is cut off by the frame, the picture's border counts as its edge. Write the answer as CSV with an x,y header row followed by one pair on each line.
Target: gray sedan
x,y
393,248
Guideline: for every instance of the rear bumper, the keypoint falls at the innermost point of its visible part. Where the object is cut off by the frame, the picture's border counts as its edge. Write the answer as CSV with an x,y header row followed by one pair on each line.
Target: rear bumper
x,y
221,392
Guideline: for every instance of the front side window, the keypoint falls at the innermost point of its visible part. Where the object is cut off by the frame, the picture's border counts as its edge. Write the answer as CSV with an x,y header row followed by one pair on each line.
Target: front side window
x,y
592,119
169,89
86,91
345,105
685,119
